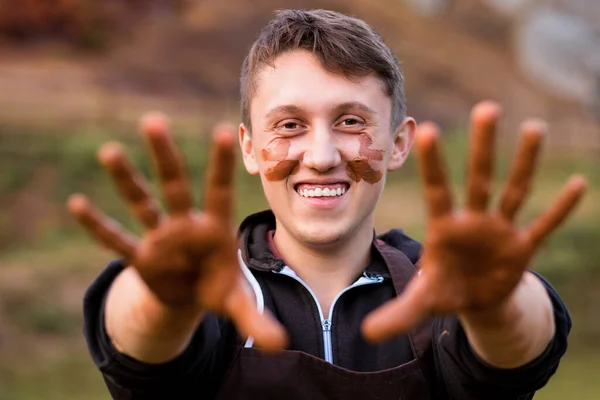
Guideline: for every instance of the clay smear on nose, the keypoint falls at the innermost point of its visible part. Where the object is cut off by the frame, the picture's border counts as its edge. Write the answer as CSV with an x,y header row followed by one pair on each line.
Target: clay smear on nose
x,y
278,151
359,168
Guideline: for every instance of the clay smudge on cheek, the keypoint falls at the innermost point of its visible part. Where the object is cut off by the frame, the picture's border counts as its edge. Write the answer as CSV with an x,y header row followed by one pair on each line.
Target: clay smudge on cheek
x,y
278,151
282,170
366,151
359,167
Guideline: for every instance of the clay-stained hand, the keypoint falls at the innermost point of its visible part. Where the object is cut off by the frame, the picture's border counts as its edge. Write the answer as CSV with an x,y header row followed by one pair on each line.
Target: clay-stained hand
x,y
188,257
473,258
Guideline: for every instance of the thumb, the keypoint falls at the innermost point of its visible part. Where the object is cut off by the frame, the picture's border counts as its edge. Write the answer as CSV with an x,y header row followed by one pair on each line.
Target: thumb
x,y
266,331
399,315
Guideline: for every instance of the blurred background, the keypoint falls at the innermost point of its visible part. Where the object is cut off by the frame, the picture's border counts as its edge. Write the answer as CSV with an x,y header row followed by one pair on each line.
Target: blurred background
x,y
76,73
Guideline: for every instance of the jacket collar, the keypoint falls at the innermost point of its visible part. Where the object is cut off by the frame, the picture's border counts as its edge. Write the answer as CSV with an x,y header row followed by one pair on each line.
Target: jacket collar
x,y
252,241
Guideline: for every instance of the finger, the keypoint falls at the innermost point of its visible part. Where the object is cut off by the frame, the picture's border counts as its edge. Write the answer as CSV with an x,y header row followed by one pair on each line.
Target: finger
x,y
399,315
558,211
519,181
132,186
107,231
481,155
168,162
268,334
437,192
220,175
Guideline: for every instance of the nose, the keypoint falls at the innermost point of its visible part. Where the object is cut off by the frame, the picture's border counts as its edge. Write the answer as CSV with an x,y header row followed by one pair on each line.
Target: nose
x,y
322,153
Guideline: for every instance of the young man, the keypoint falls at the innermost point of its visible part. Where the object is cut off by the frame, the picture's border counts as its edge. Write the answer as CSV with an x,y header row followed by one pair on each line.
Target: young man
x,y
338,312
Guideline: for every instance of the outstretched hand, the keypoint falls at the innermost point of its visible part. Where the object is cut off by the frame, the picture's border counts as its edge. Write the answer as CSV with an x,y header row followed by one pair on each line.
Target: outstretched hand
x,y
186,257
473,258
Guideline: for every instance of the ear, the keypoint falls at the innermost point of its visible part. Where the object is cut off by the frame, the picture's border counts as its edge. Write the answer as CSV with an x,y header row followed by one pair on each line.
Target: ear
x,y
248,155
403,141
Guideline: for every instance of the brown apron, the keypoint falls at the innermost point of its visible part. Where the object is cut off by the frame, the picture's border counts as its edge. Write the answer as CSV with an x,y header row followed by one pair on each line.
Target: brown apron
x,y
297,375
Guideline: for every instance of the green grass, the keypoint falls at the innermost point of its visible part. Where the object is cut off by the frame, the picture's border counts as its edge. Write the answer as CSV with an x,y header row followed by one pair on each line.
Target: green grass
x,y
68,377
576,378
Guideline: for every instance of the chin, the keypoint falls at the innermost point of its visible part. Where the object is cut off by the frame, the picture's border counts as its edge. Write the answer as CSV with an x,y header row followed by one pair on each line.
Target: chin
x,y
320,239
321,234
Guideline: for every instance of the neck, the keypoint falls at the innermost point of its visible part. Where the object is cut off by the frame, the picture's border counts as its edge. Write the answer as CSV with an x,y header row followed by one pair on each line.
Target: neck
x,y
330,268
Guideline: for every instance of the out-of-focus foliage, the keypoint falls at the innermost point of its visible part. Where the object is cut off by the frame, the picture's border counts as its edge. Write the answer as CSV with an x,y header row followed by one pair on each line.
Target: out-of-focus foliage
x,y
87,23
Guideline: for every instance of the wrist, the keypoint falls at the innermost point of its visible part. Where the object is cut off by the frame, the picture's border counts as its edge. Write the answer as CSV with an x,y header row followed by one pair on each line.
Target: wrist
x,y
509,311
151,316
146,311
143,327
515,332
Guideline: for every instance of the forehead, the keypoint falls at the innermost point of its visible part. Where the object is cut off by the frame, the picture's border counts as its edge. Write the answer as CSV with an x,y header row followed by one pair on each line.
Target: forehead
x,y
298,78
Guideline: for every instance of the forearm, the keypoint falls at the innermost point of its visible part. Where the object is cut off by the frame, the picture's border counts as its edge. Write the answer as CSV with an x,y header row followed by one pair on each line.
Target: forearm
x,y
140,326
516,332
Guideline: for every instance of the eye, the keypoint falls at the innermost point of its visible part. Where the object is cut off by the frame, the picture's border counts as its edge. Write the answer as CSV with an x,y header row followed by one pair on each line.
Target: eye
x,y
290,125
350,122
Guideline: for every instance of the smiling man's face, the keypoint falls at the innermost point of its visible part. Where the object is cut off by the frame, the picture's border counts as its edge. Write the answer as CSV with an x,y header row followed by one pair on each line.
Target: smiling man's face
x,y
322,145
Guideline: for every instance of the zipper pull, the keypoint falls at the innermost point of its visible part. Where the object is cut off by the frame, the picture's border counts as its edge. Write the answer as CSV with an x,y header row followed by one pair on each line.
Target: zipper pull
x,y
327,341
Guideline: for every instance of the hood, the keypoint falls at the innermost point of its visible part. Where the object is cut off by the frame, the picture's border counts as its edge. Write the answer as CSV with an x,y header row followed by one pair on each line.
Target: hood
x,y
252,241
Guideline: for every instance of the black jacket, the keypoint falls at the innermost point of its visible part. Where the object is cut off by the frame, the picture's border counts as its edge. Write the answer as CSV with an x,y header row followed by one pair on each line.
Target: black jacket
x,y
199,370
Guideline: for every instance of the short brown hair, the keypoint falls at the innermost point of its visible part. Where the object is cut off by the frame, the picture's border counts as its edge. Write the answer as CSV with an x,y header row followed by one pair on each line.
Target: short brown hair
x,y
343,44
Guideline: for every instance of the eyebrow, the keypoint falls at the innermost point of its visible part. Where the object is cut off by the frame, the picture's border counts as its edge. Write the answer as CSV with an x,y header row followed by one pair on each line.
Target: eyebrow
x,y
353,105
284,109
293,109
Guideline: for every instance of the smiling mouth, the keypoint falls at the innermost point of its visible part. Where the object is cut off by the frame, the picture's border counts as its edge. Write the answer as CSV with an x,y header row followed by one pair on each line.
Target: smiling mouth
x,y
322,191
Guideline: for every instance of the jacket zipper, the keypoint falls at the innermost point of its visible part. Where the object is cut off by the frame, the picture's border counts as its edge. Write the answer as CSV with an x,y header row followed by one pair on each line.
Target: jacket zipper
x,y
326,323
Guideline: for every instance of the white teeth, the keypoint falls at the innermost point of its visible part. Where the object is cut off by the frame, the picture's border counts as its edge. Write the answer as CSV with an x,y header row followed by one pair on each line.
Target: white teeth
x,y
318,192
